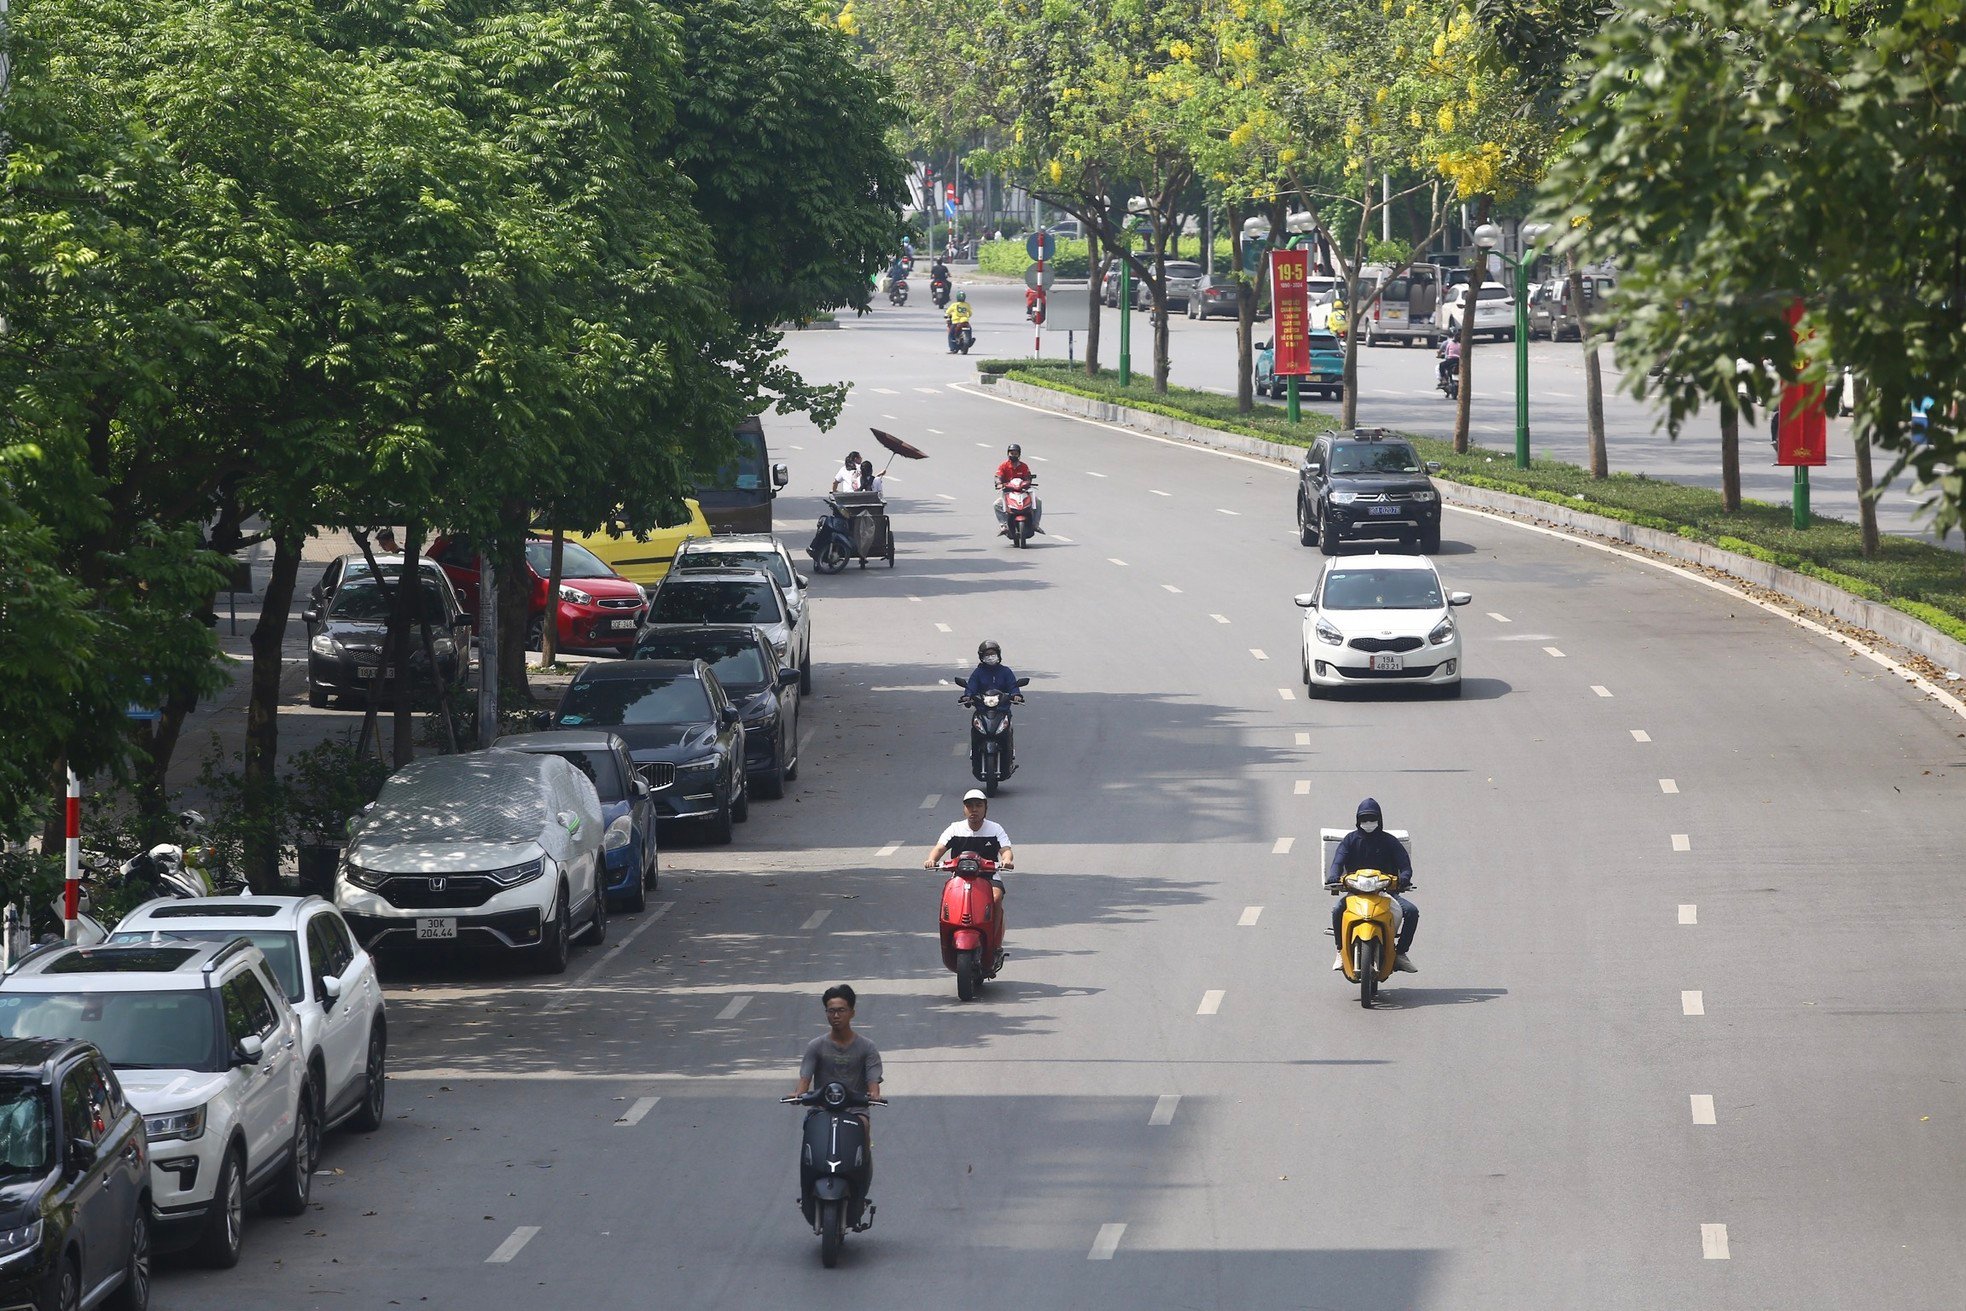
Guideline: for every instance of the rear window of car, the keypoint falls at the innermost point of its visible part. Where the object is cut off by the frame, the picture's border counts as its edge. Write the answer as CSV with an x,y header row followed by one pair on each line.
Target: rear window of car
x,y
605,702
1399,289
1493,293
1323,341
1183,270
1382,589
699,600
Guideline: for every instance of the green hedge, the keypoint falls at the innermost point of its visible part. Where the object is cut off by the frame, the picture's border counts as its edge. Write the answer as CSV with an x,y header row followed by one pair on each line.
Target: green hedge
x,y
1009,259
1923,580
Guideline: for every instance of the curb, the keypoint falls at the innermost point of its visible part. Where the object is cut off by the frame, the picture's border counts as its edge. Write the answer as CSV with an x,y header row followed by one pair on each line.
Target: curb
x,y
1892,625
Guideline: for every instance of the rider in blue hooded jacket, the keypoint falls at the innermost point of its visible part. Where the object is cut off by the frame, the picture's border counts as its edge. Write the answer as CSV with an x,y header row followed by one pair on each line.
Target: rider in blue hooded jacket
x,y
990,674
1369,846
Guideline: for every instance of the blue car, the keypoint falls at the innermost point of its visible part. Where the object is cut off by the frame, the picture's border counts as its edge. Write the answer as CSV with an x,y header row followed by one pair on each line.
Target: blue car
x,y
627,806
1327,375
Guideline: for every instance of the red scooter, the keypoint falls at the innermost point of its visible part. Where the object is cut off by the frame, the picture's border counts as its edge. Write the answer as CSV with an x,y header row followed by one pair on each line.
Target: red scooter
x,y
1020,510
972,927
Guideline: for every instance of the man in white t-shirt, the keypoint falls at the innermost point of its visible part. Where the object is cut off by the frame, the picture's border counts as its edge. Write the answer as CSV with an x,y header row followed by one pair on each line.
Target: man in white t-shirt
x,y
976,832
848,478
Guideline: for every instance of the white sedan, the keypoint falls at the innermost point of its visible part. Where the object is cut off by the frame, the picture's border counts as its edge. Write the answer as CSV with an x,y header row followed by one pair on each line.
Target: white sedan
x,y
1381,619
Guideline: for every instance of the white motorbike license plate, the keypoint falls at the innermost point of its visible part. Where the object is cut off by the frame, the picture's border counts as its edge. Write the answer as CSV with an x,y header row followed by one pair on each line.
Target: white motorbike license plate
x,y
1388,662
436,928
622,624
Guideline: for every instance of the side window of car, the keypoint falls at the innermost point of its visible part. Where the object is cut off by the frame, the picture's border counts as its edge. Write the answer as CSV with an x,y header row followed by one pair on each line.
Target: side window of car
x,y
330,576
339,940
85,1108
111,1087
248,1011
320,955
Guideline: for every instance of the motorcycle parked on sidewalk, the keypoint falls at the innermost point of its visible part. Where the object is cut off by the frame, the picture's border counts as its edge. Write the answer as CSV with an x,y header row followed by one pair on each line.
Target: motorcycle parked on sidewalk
x,y
992,756
1020,510
972,923
835,1166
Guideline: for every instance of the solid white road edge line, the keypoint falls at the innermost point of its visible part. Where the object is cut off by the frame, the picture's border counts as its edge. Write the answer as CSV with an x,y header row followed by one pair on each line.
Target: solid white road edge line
x,y
1107,1243
1164,1108
1703,1108
1250,914
510,1247
734,1009
633,1115
1713,1242
1689,913
1692,1003
1911,676
1211,1002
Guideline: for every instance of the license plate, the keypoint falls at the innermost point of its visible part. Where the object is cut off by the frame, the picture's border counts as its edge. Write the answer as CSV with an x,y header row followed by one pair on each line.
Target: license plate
x,y
366,672
438,928
621,624
1382,509
1388,662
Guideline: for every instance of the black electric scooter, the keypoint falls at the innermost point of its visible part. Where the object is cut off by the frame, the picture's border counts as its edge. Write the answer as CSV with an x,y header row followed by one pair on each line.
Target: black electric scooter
x,y
835,1166
992,757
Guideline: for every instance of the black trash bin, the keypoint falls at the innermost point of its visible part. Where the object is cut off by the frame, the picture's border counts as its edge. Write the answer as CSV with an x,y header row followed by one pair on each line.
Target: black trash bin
x,y
317,868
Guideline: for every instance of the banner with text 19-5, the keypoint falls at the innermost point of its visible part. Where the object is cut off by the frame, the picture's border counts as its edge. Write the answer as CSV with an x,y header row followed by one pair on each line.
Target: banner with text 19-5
x,y
1289,270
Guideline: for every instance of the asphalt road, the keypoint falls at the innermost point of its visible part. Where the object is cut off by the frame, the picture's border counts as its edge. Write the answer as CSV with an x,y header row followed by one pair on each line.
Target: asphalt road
x,y
1167,1100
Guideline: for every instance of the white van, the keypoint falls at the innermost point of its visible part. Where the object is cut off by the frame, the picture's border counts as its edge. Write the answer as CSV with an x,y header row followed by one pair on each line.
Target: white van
x,y
1403,310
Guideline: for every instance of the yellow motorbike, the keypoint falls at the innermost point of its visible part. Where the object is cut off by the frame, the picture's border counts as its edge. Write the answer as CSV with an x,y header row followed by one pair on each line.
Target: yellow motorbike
x,y
1365,930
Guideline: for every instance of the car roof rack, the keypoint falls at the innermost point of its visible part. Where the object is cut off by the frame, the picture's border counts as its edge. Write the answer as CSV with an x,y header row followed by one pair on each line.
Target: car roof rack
x,y
231,948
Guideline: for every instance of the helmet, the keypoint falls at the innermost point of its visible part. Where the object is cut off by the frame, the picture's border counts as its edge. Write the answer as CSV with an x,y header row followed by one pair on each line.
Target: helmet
x,y
1369,809
1015,450
962,295
989,649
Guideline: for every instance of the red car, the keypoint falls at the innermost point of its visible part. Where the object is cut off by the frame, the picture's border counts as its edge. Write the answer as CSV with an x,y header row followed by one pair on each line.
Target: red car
x,y
599,610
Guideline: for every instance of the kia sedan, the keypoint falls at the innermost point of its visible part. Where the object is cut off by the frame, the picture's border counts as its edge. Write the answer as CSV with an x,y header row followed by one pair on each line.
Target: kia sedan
x,y
1381,619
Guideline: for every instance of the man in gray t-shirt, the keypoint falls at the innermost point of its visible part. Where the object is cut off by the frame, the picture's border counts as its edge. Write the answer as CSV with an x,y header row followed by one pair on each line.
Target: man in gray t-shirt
x,y
840,1055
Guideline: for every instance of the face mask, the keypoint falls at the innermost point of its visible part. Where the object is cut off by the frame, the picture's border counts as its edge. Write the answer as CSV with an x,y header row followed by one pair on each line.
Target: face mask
x,y
1368,826
992,660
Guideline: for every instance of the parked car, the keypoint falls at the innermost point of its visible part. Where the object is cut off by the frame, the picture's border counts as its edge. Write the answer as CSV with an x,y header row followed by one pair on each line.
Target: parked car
x,y
766,696
695,597
325,976
1543,300
1599,289
598,609
1381,619
1218,297
765,553
352,565
1366,483
1399,308
493,847
644,559
1184,279
345,654
1109,287
683,733
74,1181
206,1047
1326,378
1494,313
627,806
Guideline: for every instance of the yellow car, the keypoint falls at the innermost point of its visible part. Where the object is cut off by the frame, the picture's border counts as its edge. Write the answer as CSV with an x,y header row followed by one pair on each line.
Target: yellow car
x,y
644,561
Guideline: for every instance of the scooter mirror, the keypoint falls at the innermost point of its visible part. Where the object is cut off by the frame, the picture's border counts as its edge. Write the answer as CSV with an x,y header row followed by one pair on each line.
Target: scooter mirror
x,y
1022,681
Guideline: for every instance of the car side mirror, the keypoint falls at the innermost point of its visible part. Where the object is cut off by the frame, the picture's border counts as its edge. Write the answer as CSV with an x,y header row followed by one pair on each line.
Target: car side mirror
x,y
1459,598
310,616
803,580
81,1155
1313,468
780,475
539,718
641,786
249,1050
568,821
730,715
1433,466
787,677
331,988
1305,600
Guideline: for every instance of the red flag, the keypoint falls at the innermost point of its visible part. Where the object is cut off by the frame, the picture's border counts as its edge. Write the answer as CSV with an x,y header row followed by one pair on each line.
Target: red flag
x,y
1803,433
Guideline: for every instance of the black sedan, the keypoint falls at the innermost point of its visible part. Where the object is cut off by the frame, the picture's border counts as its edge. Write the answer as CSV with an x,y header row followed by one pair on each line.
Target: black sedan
x,y
767,698
344,656
683,733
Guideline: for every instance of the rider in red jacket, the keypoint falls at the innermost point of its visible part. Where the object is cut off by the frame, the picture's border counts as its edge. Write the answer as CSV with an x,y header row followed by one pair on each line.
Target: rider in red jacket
x,y
1014,467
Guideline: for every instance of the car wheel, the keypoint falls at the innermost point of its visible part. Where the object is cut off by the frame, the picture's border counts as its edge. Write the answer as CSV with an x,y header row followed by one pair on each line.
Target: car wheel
x,y
375,1083
133,1294
296,1182
720,823
554,946
1306,532
1370,339
1327,542
218,1246
636,899
597,928
805,670
1430,540
536,632
317,696
65,1292
740,809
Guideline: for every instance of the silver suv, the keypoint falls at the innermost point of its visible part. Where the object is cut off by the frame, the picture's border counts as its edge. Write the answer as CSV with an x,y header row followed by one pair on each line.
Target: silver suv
x,y
208,1051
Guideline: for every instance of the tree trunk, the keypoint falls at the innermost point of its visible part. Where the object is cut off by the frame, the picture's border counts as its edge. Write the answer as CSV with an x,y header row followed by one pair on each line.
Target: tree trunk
x,y
1245,315
1866,501
1730,458
514,599
409,604
1593,376
258,770
549,629
1096,264
1477,275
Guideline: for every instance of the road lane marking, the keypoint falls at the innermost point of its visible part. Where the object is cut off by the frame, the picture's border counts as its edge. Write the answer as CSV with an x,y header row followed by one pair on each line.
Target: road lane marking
x,y
1106,1244
1113,559
1553,651
1500,619
1220,619
510,1247
1258,653
889,849
1059,538
1669,787
633,1115
945,496
1689,913
958,748
1095,475
1703,1108
1170,587
915,599
944,628
1287,693
1282,846
1303,788
814,920
984,445
1233,514
1041,459
931,801
1158,492
930,391
1682,842
1303,739
1713,1242
1164,1108
801,448
1601,691
884,391
572,990
736,1006
1640,735
1211,1002
937,431
893,418
1250,914
1692,1003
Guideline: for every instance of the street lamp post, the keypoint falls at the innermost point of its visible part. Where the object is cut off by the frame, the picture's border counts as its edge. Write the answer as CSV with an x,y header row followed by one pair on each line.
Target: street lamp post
x,y
1488,238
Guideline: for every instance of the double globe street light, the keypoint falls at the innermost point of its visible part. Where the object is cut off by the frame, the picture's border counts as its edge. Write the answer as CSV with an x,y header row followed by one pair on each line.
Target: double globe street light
x,y
1488,238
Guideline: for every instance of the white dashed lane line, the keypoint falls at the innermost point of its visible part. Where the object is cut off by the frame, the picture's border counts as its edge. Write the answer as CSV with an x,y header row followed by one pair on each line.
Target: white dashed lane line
x,y
1682,842
1057,538
1107,1243
1303,739
1303,788
929,391
1692,1003
1689,913
1287,693
633,1115
1233,514
814,920
1220,619
1158,492
565,997
945,496
1250,914
1550,650
1164,1107
1601,691
889,849
1282,846
944,628
511,1246
1640,735
1258,653
937,431
1669,787
1113,559
1500,619
1713,1242
1041,459
984,445
1211,1001
734,1008
1092,474
1703,1108
931,801
1170,587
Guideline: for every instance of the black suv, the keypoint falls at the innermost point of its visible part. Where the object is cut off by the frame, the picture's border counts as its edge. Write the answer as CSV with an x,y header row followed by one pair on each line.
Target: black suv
x,y
1366,483
74,1181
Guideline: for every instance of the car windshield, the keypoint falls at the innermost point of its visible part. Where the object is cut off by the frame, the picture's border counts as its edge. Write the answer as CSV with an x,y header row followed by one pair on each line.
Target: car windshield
x,y
26,1128
765,562
715,601
660,699
600,769
1374,457
276,944
363,599
576,561
1382,589
175,1030
734,660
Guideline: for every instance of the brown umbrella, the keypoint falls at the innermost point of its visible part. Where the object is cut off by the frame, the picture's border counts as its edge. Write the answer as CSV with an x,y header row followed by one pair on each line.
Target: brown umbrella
x,y
906,450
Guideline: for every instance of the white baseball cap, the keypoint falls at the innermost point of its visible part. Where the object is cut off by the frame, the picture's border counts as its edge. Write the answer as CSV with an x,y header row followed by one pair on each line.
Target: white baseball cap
x,y
974,794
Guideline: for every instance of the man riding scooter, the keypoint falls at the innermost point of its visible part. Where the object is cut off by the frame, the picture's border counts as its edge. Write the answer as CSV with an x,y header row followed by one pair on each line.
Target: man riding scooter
x,y
938,282
1369,846
1013,466
1447,374
976,832
959,315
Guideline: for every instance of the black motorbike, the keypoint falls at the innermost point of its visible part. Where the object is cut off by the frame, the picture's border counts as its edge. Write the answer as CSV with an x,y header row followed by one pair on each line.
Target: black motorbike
x,y
938,291
835,1166
897,291
1447,378
961,339
992,754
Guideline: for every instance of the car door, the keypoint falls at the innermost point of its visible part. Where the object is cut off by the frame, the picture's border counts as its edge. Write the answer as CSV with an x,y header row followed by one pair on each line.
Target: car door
x,y
85,1125
344,1019
264,1110
323,593
1317,471
459,560
122,1148
641,803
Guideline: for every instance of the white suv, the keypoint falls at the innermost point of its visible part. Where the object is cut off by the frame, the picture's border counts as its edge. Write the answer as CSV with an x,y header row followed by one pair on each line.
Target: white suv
x,y
208,1051
328,980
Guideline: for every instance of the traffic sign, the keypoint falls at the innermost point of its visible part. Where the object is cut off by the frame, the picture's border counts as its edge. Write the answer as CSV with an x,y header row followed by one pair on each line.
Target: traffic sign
x,y
1041,245
1039,280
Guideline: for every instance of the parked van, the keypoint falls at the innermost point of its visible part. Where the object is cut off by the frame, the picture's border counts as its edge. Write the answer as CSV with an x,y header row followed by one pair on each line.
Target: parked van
x,y
737,498
1598,290
1399,307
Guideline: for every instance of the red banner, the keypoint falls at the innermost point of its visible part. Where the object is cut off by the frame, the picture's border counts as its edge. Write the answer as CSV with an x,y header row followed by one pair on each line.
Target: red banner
x,y
1803,433
1290,299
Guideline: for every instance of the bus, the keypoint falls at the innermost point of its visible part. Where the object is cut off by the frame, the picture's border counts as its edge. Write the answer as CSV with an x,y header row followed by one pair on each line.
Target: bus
x,y
738,497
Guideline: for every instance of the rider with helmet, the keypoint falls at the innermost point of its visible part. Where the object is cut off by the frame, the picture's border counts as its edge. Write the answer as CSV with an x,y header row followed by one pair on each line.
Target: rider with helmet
x,y
959,315
1369,846
991,673
1013,466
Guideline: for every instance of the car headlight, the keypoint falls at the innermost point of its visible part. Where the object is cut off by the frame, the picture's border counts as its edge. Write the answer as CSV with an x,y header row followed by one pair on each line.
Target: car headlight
x,y
363,878
323,645
619,834
175,1126
575,595
702,766
513,875
761,714
1343,498
24,1239
1423,496
1442,631
1329,635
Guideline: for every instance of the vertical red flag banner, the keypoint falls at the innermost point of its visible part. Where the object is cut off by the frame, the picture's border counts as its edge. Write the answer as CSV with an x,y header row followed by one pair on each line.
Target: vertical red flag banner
x,y
1290,296
1803,435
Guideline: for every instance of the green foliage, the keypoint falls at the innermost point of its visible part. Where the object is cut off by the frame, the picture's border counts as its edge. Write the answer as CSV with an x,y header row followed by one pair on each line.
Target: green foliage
x,y
1211,408
1008,258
